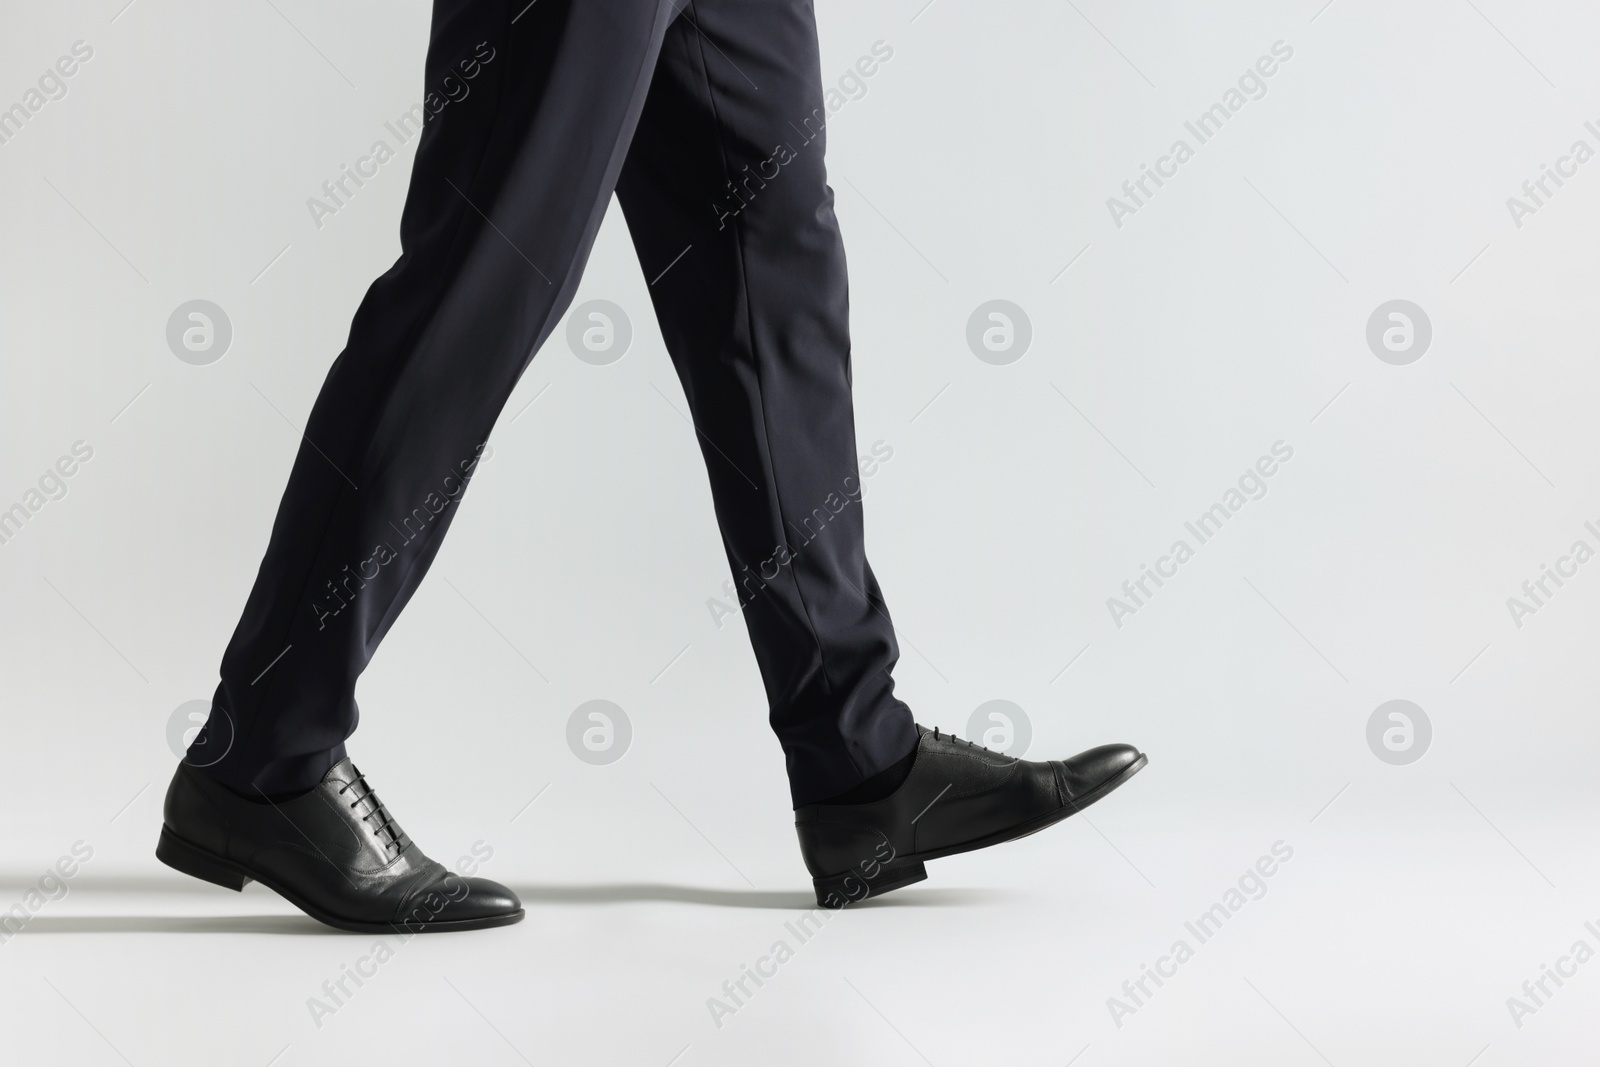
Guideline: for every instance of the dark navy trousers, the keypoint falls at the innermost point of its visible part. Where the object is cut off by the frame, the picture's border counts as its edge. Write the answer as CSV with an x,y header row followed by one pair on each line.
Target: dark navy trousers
x,y
706,119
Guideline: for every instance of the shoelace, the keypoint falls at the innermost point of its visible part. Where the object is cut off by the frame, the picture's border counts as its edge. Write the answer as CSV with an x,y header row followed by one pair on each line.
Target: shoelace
x,y
386,823
953,737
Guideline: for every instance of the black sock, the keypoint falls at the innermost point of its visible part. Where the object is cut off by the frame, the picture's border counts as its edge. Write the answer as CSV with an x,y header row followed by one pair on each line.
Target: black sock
x,y
877,787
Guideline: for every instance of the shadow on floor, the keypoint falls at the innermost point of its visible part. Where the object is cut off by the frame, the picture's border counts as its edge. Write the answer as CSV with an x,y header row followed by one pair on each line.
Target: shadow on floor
x,y
532,896
163,882
176,924
786,900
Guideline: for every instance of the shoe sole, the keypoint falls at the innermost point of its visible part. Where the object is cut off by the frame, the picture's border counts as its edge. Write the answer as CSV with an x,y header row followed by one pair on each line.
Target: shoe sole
x,y
909,869
207,866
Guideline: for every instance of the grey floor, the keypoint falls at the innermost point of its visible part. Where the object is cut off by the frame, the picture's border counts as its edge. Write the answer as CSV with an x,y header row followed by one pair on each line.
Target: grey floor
x,y
1393,934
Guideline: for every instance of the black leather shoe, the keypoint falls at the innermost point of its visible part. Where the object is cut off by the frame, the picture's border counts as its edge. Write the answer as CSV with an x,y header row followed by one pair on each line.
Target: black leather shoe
x,y
335,853
958,797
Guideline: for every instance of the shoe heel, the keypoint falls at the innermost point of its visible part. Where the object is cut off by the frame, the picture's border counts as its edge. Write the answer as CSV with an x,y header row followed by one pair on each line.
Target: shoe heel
x,y
852,887
197,863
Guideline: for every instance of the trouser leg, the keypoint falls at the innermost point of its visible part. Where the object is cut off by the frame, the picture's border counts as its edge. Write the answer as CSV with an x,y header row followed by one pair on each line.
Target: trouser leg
x,y
507,191
726,172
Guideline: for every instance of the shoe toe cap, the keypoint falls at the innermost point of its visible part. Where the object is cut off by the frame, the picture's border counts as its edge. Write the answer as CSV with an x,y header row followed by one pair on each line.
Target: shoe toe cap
x,y
485,900
1087,771
454,901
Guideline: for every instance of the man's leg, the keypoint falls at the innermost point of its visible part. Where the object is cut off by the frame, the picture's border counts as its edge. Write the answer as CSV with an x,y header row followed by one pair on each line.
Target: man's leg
x,y
725,182
726,171
508,189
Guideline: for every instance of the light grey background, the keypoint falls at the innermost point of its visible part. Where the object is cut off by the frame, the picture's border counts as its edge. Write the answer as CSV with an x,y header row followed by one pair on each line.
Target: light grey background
x,y
1228,313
